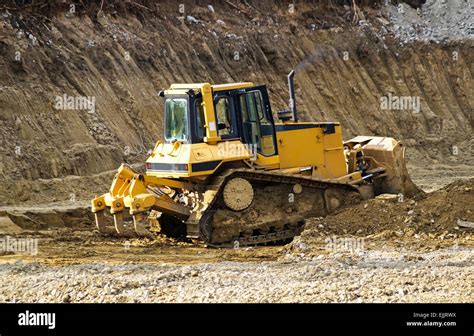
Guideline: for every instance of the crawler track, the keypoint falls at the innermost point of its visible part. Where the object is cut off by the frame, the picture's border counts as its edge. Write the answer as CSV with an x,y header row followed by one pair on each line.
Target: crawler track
x,y
276,213
278,207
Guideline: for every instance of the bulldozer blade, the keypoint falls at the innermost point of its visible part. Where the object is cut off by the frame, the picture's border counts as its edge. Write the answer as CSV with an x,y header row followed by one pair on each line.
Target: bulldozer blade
x,y
139,221
390,153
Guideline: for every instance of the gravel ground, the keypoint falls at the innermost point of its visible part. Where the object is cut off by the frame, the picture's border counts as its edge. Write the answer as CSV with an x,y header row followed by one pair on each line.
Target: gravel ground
x,y
437,20
371,276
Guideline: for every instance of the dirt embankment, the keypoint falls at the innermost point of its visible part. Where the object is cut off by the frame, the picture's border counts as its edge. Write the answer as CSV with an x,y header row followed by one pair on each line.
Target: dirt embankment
x,y
123,54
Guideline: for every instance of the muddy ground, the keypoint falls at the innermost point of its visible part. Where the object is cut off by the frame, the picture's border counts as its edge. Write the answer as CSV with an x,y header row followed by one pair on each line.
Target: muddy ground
x,y
411,250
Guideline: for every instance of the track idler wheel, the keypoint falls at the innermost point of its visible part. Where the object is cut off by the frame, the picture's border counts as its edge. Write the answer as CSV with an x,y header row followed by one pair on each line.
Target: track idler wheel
x,y
238,194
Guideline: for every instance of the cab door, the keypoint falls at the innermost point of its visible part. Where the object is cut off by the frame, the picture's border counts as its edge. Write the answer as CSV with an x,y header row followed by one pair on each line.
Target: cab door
x,y
258,127
225,116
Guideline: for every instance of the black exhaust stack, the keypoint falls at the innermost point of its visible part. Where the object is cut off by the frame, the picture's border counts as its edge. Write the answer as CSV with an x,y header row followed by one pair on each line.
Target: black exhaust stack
x,y
287,115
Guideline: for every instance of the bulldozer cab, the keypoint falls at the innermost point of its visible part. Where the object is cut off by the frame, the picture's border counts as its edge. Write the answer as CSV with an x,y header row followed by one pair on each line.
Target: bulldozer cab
x,y
240,112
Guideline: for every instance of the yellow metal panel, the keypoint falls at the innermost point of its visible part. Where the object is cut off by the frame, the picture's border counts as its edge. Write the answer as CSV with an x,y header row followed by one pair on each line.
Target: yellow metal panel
x,y
224,151
334,159
312,147
269,162
202,154
209,115
298,148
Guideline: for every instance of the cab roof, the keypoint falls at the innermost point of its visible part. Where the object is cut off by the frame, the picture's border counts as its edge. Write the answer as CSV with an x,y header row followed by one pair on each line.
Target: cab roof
x,y
231,86
215,87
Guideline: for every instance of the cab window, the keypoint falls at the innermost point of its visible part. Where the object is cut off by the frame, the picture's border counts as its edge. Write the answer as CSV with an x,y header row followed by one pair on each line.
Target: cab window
x,y
176,119
224,122
258,129
200,120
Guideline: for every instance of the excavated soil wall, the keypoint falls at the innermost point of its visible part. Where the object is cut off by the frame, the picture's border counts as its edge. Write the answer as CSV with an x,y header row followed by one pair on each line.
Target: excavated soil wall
x,y
120,55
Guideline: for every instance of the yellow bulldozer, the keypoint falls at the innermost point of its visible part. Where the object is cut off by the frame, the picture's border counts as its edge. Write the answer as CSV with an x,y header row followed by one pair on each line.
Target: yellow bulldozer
x,y
227,174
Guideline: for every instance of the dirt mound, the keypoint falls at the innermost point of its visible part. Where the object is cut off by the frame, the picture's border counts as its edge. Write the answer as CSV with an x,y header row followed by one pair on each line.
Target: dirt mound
x,y
434,215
